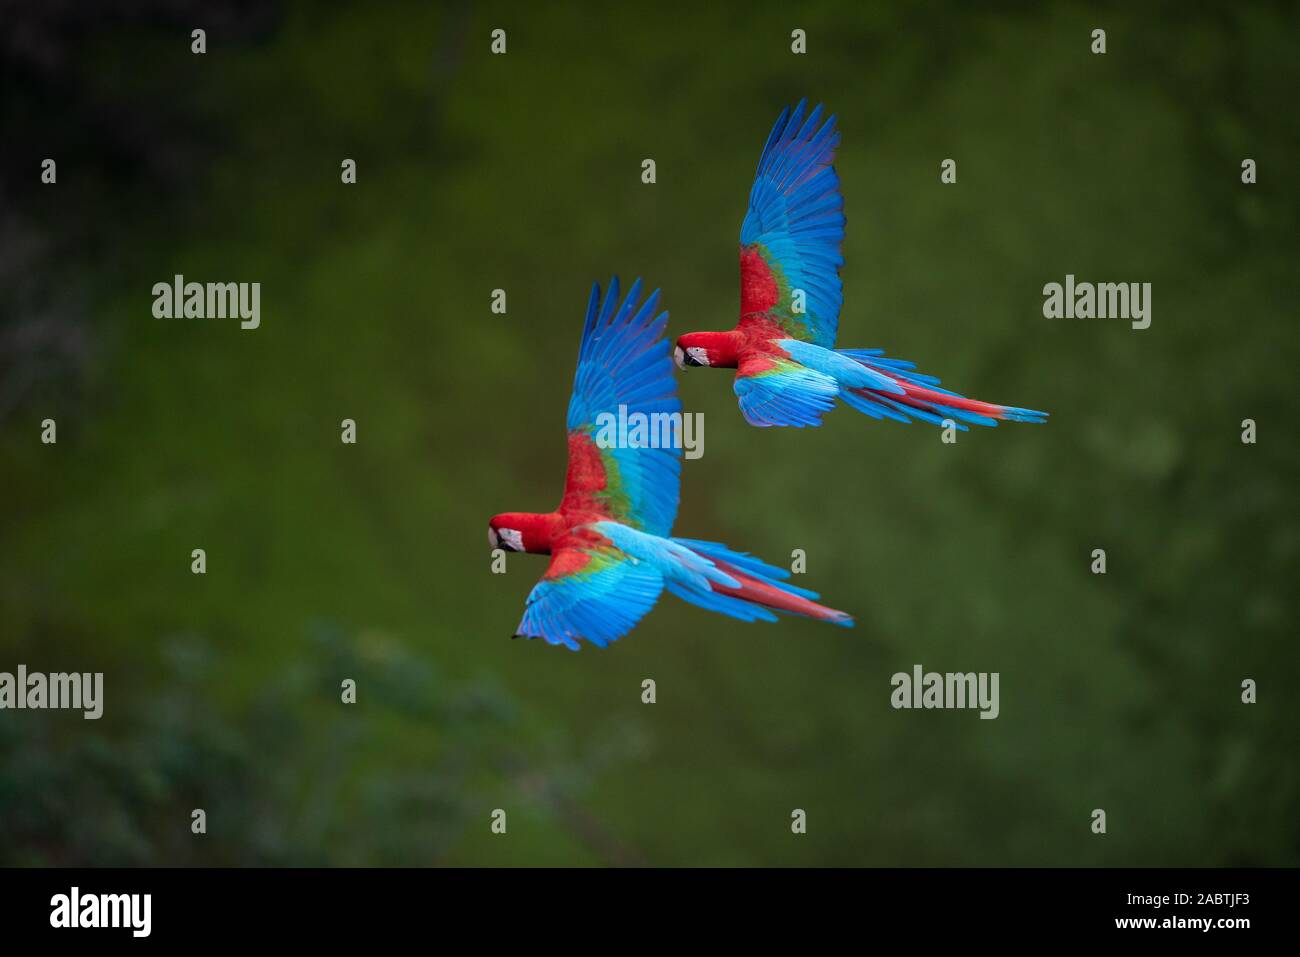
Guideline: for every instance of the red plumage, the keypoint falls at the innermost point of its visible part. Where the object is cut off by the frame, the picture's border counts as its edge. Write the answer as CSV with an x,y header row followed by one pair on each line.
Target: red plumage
x,y
758,288
751,589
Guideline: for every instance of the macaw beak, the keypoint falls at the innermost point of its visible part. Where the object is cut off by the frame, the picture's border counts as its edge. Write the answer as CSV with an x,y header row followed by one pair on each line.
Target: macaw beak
x,y
493,540
679,357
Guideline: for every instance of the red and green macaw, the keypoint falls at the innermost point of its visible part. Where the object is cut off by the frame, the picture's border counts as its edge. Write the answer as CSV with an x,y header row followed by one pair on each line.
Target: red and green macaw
x,y
610,540
788,371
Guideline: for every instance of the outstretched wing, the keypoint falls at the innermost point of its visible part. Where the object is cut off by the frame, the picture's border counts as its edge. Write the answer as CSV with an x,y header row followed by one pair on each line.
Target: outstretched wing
x,y
777,391
590,591
623,459
790,241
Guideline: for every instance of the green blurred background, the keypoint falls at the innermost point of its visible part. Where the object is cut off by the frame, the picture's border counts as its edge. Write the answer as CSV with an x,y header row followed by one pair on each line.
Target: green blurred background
x,y
522,172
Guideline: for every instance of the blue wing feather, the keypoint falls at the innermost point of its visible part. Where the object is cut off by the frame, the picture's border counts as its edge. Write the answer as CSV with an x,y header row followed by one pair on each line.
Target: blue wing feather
x,y
624,361
787,394
796,222
600,602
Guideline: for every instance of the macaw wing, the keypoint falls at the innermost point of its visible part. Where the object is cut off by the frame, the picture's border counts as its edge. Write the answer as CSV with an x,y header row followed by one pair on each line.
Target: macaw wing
x,y
624,448
773,390
790,240
591,592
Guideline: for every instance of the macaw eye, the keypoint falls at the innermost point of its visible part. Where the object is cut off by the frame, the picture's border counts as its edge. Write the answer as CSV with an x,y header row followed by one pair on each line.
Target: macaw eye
x,y
693,356
511,539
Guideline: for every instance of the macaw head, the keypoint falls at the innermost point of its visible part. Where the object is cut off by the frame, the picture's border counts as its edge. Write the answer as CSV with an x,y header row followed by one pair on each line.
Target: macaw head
x,y
716,349
520,532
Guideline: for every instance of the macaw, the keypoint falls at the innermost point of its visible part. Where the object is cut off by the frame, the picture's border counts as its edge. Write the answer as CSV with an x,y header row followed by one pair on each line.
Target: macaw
x,y
610,540
788,371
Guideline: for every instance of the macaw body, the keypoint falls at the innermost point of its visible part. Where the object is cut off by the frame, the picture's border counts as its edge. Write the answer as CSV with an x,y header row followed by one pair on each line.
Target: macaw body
x,y
610,539
788,371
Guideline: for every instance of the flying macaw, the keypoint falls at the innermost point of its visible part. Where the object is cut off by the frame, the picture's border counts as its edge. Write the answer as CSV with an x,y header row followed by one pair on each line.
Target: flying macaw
x,y
788,371
610,541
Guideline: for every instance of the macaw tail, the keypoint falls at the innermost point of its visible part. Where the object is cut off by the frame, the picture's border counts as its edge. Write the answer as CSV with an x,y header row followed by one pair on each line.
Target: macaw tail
x,y
760,590
921,398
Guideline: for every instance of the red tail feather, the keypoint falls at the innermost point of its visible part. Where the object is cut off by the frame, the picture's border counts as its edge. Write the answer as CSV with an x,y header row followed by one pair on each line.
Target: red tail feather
x,y
760,592
920,397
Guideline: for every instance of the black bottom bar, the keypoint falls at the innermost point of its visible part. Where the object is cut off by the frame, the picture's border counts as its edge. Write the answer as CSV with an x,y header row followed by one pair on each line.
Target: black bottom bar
x,y
335,907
